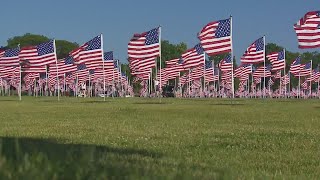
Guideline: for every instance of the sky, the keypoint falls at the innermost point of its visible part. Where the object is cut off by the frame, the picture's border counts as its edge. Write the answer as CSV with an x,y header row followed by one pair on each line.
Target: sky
x,y
79,20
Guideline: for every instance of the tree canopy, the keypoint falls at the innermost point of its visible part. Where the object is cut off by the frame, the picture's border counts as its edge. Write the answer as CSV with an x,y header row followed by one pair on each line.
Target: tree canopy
x,y
28,39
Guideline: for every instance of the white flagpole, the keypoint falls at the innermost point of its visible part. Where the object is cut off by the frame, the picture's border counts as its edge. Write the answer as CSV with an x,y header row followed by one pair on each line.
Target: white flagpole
x,y
89,89
64,84
299,85
264,66
55,52
284,71
20,84
310,89
160,86
204,72
232,78
104,77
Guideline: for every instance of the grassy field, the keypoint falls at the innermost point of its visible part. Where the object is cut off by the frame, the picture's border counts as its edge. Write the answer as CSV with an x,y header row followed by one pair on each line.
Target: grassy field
x,y
143,139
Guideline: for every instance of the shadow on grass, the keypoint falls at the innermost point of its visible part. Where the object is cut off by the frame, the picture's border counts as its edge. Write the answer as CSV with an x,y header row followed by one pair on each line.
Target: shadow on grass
x,y
151,103
28,158
9,100
226,104
93,102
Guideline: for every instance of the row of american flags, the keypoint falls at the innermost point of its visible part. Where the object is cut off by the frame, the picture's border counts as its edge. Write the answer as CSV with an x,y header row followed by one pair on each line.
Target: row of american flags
x,y
199,77
193,73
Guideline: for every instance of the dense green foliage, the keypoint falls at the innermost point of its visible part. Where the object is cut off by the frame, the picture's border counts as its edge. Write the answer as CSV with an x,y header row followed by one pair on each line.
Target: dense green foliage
x,y
63,46
141,138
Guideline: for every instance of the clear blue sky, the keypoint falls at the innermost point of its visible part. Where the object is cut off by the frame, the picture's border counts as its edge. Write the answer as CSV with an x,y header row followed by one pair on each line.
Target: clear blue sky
x,y
78,21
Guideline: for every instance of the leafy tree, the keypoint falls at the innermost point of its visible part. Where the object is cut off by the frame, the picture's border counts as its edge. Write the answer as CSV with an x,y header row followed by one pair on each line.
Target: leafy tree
x,y
63,46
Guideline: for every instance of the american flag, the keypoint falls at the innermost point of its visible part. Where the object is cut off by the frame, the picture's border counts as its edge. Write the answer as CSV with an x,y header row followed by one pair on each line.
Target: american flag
x,y
145,45
242,70
305,69
196,73
193,57
277,60
209,72
82,73
270,82
6,71
226,64
143,49
296,66
64,66
285,79
90,53
277,75
9,57
315,75
215,37
40,55
308,30
262,71
34,69
255,52
108,60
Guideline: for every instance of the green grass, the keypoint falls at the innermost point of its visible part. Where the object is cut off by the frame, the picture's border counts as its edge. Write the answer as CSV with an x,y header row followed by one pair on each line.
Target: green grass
x,y
177,139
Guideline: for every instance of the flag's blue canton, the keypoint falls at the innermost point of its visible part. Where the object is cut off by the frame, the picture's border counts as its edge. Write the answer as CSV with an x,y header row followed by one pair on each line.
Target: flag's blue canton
x,y
269,67
180,61
152,37
108,55
224,28
115,64
208,64
81,66
199,49
319,13
91,71
43,75
307,66
297,61
254,68
259,44
227,59
280,55
68,60
123,74
94,43
12,52
45,48
216,71
246,65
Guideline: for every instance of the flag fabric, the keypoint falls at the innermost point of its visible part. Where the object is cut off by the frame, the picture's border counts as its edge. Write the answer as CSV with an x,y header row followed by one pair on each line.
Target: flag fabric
x,y
108,60
277,60
262,71
9,57
215,37
145,45
193,57
40,55
65,65
296,66
305,69
308,30
315,75
255,52
226,64
277,75
90,53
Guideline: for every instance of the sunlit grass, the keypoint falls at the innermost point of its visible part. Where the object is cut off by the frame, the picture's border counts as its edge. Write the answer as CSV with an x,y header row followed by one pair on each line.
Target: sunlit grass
x,y
196,138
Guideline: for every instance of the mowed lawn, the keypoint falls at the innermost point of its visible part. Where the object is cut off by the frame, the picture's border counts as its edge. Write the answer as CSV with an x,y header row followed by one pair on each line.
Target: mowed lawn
x,y
140,138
